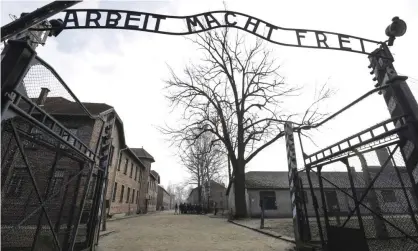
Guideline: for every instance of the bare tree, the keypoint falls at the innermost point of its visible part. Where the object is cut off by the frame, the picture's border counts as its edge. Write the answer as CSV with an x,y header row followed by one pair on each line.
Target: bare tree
x,y
236,94
203,160
179,191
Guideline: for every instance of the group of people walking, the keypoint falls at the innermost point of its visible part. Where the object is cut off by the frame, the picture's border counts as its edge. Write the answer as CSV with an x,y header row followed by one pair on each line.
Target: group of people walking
x,y
187,208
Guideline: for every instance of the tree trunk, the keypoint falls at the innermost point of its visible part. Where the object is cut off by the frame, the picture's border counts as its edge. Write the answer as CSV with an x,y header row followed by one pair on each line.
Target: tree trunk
x,y
199,189
239,187
229,169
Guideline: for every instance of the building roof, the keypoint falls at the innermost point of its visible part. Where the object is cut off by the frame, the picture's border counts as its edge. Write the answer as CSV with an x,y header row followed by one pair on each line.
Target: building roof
x,y
130,152
191,191
60,105
143,154
163,189
280,180
155,175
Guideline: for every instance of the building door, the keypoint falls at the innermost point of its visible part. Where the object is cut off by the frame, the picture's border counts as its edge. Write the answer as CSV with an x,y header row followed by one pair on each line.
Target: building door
x,y
332,201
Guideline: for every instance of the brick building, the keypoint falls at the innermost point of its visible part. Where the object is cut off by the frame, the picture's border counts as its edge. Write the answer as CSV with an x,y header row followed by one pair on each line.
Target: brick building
x,y
53,164
147,160
127,169
213,193
151,200
163,199
125,179
193,197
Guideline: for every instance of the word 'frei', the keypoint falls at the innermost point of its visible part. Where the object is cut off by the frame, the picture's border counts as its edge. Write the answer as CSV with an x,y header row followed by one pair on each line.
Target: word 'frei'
x,y
183,25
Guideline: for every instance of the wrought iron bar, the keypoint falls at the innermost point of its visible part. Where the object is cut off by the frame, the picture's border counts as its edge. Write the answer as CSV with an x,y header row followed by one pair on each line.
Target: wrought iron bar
x,y
353,190
88,154
14,65
64,198
346,107
48,187
70,223
47,200
382,135
324,204
33,18
350,154
305,209
25,160
48,145
371,184
368,208
83,201
411,211
315,204
301,185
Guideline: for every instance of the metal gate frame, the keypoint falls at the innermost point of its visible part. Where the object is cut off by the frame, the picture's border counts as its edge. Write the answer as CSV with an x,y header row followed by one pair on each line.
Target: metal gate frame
x,y
17,58
328,155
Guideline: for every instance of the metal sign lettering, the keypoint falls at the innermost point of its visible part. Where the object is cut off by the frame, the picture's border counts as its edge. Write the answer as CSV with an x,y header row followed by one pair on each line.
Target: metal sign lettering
x,y
184,25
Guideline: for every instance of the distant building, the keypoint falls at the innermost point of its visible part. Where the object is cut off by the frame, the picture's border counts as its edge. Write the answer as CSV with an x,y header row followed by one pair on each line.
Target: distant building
x,y
151,200
213,193
147,160
41,149
193,197
123,192
273,188
163,199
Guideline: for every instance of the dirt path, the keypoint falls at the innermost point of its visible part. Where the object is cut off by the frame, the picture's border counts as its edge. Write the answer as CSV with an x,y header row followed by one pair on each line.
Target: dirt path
x,y
185,233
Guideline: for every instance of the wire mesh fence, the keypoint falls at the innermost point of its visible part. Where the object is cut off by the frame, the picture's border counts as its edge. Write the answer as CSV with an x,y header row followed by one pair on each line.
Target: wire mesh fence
x,y
39,76
374,195
43,189
49,193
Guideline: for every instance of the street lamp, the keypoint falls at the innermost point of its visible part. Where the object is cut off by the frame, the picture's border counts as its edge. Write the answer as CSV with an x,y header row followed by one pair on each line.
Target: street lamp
x,y
396,29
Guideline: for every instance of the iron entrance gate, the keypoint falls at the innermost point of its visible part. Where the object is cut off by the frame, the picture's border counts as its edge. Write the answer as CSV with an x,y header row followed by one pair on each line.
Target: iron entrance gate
x,y
51,184
361,206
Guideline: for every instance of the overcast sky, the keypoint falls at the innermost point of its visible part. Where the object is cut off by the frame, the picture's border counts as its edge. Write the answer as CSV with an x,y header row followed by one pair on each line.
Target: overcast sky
x,y
127,69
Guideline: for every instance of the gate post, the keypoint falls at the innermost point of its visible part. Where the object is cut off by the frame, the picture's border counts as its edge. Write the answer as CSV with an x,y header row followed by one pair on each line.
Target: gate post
x,y
300,225
15,62
400,101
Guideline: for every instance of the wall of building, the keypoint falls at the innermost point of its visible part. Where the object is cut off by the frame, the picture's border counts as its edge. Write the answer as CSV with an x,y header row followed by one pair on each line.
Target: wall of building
x,y
218,195
127,178
231,200
282,202
143,195
166,200
193,196
345,203
115,158
152,194
160,192
163,199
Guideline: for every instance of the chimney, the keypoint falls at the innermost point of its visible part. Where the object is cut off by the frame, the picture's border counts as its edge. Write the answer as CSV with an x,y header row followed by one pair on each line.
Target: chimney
x,y
383,155
42,96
